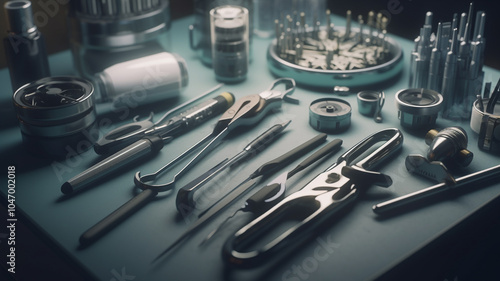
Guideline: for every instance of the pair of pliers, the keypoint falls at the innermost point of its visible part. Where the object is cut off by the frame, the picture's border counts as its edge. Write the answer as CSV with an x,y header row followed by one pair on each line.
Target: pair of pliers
x,y
332,190
245,111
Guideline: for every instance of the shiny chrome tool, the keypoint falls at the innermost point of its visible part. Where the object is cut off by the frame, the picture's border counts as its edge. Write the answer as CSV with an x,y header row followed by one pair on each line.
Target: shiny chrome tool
x,y
451,61
245,111
166,125
185,196
326,194
486,176
145,141
274,191
264,170
145,196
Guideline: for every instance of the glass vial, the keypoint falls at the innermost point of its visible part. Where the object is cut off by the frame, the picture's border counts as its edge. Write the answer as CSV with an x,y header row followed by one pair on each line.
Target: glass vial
x,y
24,45
199,31
229,28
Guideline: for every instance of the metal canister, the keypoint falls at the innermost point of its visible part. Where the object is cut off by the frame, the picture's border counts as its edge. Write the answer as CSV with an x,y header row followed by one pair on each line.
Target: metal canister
x,y
56,115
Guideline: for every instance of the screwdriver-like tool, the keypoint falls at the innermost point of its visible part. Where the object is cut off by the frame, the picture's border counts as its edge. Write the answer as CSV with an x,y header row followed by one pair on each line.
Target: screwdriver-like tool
x,y
272,193
265,169
145,196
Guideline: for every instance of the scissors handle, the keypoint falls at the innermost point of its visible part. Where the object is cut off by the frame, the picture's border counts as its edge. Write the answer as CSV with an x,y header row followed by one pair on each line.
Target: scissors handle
x,y
314,204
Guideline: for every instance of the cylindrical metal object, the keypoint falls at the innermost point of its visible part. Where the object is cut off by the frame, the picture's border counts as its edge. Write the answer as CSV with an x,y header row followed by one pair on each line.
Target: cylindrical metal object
x,y
56,115
330,115
24,45
418,108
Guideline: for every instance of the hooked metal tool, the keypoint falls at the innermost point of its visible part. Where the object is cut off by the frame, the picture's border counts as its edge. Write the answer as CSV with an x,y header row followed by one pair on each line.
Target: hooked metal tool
x,y
145,140
145,196
245,111
274,191
266,169
337,187
185,196
129,133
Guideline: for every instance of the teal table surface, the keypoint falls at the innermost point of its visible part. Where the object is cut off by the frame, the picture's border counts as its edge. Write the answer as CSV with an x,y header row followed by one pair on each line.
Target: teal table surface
x,y
355,246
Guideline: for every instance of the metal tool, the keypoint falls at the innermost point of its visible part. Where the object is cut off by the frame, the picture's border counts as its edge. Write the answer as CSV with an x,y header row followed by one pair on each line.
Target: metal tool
x,y
330,115
148,139
418,108
264,170
326,194
274,191
145,196
185,196
482,177
56,115
451,62
246,111
167,124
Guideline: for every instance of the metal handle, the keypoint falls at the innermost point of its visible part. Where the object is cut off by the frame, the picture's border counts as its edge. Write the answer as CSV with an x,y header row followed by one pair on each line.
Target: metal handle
x,y
321,203
139,149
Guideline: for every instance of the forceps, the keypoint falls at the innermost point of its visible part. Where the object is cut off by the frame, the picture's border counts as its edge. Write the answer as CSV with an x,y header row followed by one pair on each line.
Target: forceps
x,y
332,190
246,111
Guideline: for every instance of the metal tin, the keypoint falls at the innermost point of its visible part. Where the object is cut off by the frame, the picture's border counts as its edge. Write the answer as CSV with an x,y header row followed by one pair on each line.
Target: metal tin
x,y
56,115
487,126
418,108
330,115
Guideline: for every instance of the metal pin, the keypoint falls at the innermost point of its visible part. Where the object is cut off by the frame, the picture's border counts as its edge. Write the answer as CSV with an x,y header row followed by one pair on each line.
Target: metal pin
x,y
484,176
360,34
347,25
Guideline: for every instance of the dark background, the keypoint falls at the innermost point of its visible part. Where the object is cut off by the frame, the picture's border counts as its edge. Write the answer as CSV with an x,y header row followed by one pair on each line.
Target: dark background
x,y
406,18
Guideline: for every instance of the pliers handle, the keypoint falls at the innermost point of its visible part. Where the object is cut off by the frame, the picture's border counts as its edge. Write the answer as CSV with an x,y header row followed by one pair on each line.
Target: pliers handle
x,y
250,109
326,194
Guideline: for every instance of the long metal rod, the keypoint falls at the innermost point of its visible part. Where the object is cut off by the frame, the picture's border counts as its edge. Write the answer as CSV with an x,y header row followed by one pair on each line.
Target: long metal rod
x,y
391,205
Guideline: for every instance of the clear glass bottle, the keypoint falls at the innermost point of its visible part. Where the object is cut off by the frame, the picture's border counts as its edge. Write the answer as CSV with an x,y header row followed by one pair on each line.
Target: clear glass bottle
x,y
200,38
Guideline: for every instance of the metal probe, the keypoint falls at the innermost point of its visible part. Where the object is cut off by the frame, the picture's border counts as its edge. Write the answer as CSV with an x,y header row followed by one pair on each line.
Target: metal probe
x,y
472,179
145,196
269,166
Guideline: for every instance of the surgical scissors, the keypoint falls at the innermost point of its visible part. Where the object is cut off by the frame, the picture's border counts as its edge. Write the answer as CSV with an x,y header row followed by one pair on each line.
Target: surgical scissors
x,y
330,191
245,111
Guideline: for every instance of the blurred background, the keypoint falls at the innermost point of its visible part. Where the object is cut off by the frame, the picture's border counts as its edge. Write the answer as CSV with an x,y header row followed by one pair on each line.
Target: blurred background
x,y
406,18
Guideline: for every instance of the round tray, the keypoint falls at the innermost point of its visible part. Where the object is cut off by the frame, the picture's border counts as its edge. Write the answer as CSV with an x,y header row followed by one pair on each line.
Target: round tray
x,y
329,78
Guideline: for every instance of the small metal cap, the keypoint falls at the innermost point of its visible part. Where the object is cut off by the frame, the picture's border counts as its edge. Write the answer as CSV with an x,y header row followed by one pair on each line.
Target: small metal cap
x,y
20,17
